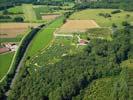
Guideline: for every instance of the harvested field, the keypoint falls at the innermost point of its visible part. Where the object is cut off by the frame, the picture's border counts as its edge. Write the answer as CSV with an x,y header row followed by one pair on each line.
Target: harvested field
x,y
50,16
11,30
77,26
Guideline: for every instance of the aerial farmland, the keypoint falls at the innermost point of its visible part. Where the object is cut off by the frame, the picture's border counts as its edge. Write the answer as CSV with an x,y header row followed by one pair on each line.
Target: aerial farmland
x,y
66,50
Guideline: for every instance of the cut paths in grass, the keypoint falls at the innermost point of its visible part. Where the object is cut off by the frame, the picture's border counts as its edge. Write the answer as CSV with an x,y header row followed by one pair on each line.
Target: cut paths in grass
x,y
44,37
5,61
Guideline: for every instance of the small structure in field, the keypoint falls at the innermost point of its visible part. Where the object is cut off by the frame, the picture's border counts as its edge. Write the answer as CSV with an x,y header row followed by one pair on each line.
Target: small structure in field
x,y
83,42
11,46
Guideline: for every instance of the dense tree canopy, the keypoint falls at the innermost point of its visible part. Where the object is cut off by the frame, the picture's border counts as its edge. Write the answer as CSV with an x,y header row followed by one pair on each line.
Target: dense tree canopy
x,y
65,79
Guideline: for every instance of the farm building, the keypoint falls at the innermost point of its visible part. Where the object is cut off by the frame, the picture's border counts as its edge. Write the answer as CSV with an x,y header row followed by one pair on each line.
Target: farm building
x,y
83,42
10,46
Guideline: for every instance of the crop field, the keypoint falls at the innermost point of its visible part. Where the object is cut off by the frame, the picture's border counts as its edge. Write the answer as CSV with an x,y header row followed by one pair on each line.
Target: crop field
x,y
5,61
50,16
29,12
11,30
44,37
93,14
77,26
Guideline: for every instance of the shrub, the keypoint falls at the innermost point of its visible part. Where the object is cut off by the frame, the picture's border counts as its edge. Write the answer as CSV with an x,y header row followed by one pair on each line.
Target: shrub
x,y
18,19
115,11
125,23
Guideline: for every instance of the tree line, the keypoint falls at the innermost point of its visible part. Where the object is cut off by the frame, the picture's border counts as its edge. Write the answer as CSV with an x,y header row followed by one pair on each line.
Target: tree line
x,y
115,4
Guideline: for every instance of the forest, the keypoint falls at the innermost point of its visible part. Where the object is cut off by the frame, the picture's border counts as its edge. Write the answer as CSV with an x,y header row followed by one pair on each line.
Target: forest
x,y
65,79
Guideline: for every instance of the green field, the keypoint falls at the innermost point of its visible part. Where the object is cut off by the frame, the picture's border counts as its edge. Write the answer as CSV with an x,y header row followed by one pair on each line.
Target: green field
x,y
40,10
43,38
103,33
5,61
103,22
29,13
16,10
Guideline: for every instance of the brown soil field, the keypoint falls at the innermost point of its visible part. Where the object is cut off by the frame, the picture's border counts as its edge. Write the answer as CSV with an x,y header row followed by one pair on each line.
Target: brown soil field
x,y
50,16
77,26
11,30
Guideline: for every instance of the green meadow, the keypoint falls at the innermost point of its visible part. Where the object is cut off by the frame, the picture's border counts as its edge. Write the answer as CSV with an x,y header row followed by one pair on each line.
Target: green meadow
x,y
16,10
43,38
29,13
5,61
93,14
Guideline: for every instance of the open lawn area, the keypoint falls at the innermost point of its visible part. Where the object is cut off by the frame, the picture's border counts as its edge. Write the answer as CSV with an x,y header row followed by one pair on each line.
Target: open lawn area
x,y
16,10
41,10
29,13
44,37
5,61
93,14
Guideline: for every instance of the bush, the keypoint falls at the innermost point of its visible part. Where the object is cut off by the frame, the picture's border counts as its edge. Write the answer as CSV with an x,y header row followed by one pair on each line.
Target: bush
x,y
115,11
105,15
114,25
125,23
18,19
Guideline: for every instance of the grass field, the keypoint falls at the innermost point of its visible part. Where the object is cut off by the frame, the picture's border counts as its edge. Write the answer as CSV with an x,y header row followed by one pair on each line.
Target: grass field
x,y
29,13
5,61
40,10
93,14
44,37
104,33
16,10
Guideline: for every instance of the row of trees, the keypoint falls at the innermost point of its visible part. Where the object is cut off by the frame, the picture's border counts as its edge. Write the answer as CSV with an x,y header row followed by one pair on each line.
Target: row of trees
x,y
115,4
7,18
65,79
